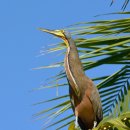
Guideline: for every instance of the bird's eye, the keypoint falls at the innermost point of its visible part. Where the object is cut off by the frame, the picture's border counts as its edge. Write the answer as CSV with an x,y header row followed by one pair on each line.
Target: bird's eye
x,y
62,31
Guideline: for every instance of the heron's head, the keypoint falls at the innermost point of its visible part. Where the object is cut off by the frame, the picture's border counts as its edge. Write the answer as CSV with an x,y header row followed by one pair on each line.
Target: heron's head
x,y
64,35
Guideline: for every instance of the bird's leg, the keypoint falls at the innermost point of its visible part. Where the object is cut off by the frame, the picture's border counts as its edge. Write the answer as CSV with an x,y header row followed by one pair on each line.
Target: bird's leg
x,y
95,123
76,119
76,122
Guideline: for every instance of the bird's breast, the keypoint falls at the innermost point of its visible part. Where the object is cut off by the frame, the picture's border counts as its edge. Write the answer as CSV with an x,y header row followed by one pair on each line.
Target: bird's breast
x,y
86,112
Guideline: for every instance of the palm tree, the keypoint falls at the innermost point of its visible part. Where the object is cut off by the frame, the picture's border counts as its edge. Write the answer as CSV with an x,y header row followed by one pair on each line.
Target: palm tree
x,y
103,45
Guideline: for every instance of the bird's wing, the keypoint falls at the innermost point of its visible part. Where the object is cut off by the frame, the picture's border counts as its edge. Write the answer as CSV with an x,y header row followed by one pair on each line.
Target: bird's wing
x,y
96,102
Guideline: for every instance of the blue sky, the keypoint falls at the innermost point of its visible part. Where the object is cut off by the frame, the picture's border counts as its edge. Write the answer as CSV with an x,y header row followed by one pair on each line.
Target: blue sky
x,y
21,43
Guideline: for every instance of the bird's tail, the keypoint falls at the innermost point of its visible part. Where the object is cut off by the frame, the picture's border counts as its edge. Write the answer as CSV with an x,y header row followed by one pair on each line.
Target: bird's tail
x,y
82,125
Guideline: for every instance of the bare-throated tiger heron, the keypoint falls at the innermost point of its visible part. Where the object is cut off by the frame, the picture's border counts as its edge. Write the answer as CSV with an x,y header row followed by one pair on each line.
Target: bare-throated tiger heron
x,y
84,96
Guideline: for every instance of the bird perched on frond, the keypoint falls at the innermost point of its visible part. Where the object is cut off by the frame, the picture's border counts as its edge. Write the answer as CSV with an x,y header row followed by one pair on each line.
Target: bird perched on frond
x,y
84,96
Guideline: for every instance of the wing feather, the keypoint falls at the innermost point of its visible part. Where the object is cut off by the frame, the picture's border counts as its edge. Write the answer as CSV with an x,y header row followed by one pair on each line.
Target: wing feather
x,y
96,102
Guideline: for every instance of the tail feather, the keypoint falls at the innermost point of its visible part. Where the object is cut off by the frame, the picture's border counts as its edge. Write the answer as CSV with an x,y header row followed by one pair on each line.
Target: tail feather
x,y
82,125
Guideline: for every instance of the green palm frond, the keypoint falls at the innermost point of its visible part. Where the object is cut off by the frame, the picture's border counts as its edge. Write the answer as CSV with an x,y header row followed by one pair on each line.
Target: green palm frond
x,y
101,43
120,123
115,92
109,123
126,2
106,27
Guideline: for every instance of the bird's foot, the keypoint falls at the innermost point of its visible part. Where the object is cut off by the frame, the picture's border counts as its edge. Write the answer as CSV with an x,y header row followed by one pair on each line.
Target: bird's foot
x,y
76,122
94,125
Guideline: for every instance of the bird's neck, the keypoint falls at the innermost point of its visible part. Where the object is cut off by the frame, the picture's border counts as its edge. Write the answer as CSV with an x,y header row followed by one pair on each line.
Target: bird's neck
x,y
73,66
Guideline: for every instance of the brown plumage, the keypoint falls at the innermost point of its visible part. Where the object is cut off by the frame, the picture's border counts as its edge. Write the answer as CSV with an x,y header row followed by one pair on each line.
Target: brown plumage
x,y
84,95
87,105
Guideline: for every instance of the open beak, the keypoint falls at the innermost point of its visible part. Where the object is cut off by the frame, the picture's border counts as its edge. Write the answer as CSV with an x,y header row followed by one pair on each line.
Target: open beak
x,y
57,33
